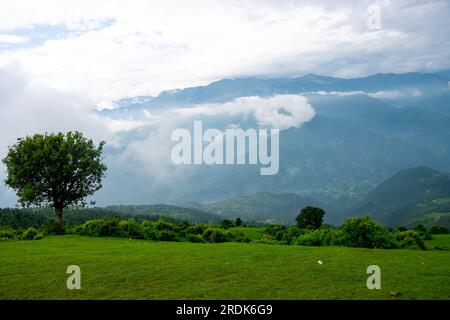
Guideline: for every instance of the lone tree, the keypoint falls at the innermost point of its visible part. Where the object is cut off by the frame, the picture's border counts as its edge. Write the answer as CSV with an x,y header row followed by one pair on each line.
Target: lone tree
x,y
310,217
54,169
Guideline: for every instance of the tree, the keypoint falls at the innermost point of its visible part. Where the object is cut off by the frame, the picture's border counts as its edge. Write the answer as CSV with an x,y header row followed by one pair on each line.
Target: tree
x,y
238,222
54,169
310,217
225,223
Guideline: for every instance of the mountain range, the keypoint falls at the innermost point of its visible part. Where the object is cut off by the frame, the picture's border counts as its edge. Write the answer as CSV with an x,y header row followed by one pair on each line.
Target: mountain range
x,y
364,131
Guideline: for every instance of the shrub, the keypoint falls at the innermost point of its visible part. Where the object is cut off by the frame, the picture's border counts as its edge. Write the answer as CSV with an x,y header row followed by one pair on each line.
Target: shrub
x,y
215,235
149,231
438,230
420,229
410,239
195,238
129,229
275,231
31,234
52,228
165,225
309,239
167,235
238,236
363,232
8,234
320,237
197,229
92,228
290,235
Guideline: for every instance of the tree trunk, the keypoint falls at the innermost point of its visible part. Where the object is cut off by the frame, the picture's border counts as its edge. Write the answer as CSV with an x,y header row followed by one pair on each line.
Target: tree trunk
x,y
59,219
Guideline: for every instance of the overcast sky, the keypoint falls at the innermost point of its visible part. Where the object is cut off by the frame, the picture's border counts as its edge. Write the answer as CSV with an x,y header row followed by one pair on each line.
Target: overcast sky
x,y
105,50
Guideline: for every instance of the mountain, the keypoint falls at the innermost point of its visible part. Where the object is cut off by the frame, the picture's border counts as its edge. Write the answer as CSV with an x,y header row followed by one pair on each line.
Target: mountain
x,y
227,89
364,131
263,207
411,196
352,144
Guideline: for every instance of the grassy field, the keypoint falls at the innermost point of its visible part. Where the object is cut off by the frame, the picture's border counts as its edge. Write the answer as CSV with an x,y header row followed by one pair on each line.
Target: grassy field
x,y
113,268
439,242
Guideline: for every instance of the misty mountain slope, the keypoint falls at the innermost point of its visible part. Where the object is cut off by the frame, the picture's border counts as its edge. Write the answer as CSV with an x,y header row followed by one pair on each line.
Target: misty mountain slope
x,y
352,144
259,207
411,196
228,89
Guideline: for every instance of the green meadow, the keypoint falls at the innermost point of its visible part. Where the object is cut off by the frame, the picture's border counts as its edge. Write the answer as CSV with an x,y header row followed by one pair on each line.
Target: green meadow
x,y
117,268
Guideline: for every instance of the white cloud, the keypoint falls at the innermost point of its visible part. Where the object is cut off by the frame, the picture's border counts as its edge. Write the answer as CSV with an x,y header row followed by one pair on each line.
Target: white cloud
x,y
156,45
26,109
280,111
9,38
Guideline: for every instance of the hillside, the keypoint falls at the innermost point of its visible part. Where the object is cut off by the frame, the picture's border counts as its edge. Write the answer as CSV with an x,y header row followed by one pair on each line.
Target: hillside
x,y
38,216
260,207
412,196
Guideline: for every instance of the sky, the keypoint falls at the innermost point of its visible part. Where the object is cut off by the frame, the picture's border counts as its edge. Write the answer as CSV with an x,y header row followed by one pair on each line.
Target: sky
x,y
61,59
107,50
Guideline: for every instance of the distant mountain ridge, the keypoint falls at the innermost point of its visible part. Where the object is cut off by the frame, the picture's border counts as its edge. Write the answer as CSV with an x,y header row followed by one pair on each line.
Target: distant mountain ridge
x,y
228,89
411,196
265,206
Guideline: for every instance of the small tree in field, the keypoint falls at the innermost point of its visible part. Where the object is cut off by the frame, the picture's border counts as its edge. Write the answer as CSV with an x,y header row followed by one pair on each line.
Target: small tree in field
x,y
310,217
54,169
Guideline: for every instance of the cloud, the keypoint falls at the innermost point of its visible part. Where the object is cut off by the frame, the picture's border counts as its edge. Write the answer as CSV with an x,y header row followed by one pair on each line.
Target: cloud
x,y
280,111
26,109
9,38
150,46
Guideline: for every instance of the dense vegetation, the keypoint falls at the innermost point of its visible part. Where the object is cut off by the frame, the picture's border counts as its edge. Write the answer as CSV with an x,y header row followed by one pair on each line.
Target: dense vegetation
x,y
410,197
38,217
355,232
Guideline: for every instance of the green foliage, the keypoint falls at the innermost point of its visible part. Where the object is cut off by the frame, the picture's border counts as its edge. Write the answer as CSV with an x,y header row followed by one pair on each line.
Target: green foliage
x,y
290,235
196,238
363,232
129,229
419,192
9,234
238,222
422,231
215,235
320,237
410,239
162,225
31,234
51,227
438,230
54,169
310,218
197,229
238,236
225,223
275,231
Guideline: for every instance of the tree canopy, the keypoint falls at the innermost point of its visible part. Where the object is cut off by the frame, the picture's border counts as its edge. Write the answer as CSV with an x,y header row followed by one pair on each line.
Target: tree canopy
x,y
54,169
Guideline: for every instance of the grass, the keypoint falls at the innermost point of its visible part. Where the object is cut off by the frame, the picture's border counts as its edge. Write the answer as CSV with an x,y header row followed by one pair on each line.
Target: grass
x,y
113,268
439,242
253,233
